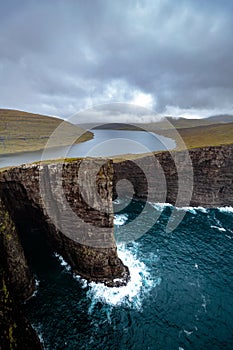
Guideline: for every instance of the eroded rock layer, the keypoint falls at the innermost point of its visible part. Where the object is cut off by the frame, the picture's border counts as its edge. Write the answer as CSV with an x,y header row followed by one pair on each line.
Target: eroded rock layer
x,y
72,204
198,177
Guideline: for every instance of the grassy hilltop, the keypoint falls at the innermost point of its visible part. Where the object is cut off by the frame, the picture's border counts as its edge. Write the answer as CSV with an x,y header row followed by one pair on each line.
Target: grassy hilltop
x,y
22,131
201,136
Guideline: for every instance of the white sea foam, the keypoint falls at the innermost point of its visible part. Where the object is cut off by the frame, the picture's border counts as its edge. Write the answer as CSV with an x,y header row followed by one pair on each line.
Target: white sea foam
x,y
120,219
202,209
162,206
38,328
132,294
189,209
193,210
37,283
219,228
62,261
226,209
188,333
117,201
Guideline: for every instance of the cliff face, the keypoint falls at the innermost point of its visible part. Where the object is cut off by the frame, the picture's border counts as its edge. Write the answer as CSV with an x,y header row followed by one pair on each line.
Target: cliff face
x,y
19,276
201,177
76,218
72,203
16,284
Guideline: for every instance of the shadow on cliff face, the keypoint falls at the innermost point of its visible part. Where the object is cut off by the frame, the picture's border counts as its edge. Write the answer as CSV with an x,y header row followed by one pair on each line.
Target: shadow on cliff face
x,y
38,252
30,226
16,284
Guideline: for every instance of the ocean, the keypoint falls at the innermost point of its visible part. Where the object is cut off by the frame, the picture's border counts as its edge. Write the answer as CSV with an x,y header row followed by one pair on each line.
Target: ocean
x,y
180,295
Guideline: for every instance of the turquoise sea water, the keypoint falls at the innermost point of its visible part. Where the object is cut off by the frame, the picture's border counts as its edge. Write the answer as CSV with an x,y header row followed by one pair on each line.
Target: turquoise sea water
x,y
180,295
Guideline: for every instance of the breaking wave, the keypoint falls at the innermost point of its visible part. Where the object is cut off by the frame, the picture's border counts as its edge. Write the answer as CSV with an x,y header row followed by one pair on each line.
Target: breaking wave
x,y
131,295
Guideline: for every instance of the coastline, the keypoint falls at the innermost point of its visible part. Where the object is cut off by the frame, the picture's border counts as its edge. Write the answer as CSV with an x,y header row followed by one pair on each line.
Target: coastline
x,y
212,174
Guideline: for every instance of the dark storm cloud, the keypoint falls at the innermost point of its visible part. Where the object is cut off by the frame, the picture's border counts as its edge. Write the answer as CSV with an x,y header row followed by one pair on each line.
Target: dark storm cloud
x,y
58,57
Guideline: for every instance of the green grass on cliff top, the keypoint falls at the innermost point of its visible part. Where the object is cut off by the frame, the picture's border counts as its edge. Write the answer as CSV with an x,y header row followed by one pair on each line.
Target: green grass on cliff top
x,y
23,132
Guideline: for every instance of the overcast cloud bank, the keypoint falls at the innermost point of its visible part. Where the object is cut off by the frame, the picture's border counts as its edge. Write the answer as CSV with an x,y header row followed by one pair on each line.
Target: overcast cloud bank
x,y
59,57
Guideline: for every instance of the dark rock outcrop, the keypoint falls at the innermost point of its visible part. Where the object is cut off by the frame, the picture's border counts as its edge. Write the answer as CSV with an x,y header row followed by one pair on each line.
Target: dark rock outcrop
x,y
16,284
202,177
72,204
19,276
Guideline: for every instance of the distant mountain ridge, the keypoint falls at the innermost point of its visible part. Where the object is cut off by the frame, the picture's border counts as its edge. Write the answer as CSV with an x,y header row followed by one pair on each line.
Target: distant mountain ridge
x,y
222,118
162,124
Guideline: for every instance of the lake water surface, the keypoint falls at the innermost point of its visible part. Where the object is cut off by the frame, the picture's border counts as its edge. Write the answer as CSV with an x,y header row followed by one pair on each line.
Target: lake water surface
x,y
105,143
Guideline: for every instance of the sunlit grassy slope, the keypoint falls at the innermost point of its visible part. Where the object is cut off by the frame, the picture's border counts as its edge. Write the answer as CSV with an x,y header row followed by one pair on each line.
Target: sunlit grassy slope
x,y
22,131
201,136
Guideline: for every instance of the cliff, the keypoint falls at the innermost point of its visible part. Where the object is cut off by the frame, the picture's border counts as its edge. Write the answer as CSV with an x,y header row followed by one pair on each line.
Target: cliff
x,y
16,284
71,203
199,177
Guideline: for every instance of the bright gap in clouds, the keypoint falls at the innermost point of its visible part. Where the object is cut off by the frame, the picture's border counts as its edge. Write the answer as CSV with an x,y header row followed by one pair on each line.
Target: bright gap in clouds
x,y
143,100
194,113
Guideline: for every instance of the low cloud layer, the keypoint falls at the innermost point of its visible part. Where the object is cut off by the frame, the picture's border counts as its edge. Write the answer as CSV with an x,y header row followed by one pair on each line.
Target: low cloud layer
x,y
59,57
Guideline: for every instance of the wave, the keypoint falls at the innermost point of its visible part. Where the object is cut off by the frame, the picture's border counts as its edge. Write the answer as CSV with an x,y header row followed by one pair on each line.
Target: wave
x,y
62,262
120,219
226,209
160,206
37,283
219,228
133,293
38,327
117,201
193,210
199,208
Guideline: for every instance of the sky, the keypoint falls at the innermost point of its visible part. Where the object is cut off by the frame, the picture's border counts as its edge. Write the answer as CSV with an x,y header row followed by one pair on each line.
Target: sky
x,y
59,57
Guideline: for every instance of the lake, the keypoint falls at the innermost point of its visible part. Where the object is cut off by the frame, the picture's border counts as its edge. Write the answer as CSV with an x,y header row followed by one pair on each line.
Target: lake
x,y
105,143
